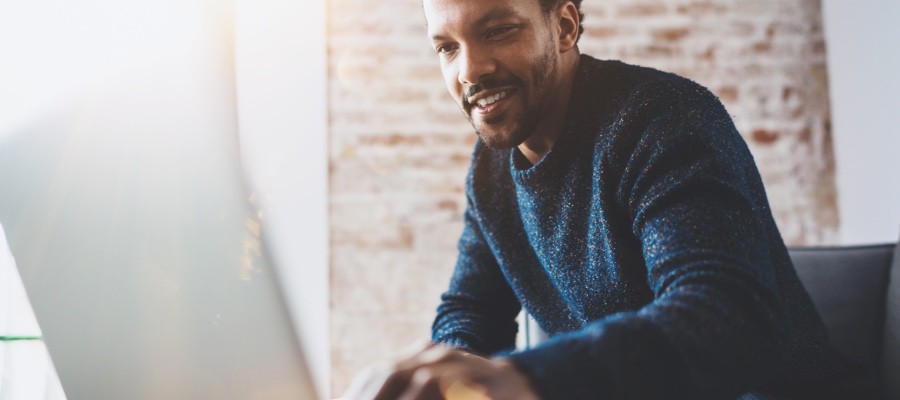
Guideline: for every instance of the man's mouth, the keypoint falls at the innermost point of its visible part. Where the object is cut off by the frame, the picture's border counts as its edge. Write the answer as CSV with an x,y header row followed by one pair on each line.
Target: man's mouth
x,y
485,105
485,101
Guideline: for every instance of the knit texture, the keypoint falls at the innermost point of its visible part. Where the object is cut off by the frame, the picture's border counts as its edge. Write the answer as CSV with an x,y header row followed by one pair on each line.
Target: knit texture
x,y
644,245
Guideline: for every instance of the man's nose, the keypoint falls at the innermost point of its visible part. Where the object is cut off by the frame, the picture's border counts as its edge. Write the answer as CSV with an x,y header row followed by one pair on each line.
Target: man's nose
x,y
475,65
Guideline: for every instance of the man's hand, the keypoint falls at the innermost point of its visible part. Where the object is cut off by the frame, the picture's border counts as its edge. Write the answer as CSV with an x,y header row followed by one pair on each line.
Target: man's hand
x,y
433,371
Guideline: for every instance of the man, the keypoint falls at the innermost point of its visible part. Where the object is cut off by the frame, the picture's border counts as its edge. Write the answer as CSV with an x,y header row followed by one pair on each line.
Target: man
x,y
621,208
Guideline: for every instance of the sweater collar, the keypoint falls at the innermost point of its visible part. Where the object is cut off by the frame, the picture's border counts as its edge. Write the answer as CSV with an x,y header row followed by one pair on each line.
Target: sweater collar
x,y
525,173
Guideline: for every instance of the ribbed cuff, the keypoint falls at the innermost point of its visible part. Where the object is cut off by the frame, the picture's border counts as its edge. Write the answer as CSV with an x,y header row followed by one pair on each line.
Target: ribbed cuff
x,y
564,369
621,357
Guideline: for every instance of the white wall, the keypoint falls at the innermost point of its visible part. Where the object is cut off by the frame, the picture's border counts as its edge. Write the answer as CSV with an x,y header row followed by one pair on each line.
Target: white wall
x,y
281,91
864,71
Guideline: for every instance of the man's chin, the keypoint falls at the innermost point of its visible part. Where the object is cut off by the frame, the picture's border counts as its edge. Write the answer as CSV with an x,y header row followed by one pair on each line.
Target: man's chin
x,y
498,140
499,133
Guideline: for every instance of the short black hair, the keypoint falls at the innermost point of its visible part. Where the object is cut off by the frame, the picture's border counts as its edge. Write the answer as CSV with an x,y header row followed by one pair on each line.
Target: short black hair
x,y
550,5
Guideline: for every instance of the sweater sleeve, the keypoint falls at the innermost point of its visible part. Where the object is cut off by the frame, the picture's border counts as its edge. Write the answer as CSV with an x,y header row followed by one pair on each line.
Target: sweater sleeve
x,y
716,326
477,313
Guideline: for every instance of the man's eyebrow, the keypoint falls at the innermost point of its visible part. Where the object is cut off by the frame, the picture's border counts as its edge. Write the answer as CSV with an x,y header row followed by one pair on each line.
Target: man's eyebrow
x,y
483,20
500,13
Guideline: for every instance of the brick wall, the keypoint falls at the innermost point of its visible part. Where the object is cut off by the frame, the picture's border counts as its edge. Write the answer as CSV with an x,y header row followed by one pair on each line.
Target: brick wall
x,y
400,147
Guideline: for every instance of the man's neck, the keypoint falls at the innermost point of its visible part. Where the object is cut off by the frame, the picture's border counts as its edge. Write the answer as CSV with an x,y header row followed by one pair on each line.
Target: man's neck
x,y
550,127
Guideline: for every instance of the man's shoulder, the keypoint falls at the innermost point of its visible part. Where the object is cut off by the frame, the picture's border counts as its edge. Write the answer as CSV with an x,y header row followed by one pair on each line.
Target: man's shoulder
x,y
635,108
612,94
615,78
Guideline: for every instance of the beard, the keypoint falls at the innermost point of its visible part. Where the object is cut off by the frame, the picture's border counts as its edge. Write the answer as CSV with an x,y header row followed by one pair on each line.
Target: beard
x,y
524,122
525,118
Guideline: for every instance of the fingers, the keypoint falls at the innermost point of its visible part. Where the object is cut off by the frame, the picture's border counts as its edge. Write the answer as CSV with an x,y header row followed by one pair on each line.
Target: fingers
x,y
415,348
445,373
381,382
436,372
443,381
387,381
420,375
429,355
460,390
423,385
392,384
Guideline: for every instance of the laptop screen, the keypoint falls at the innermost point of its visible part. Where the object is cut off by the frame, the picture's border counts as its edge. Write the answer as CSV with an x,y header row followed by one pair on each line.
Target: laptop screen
x,y
125,209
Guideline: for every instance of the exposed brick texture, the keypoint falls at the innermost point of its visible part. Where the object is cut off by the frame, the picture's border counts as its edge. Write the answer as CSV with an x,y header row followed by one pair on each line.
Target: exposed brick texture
x,y
400,147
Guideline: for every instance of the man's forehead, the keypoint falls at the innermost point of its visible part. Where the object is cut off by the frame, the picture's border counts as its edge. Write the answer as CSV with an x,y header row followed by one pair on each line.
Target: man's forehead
x,y
441,15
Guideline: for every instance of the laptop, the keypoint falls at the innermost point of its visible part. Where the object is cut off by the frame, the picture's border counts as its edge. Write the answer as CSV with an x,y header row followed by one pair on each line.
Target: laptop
x,y
140,248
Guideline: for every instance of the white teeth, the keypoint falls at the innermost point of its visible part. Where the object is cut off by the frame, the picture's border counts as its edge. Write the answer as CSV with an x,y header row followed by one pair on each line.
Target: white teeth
x,y
491,99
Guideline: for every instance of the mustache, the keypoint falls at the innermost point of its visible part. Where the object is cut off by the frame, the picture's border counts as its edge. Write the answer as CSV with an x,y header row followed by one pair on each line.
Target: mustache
x,y
490,83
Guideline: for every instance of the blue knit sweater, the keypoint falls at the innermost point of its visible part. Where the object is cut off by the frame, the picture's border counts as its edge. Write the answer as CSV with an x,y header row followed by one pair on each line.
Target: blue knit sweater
x,y
643,243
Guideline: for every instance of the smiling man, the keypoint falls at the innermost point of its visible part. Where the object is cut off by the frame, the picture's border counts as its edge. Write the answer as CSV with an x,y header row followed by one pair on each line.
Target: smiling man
x,y
619,206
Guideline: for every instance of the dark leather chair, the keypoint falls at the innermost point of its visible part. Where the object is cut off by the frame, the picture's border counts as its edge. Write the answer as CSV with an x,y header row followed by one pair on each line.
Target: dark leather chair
x,y
856,290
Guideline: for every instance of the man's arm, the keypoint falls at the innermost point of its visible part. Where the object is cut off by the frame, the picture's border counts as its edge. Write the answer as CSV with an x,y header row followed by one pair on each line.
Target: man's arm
x,y
477,313
476,318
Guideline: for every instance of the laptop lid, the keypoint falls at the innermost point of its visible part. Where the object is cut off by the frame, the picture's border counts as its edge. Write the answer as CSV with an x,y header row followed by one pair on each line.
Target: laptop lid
x,y
137,242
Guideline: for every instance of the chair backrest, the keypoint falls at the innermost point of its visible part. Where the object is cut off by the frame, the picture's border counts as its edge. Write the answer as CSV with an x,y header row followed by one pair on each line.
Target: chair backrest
x,y
890,363
848,285
859,304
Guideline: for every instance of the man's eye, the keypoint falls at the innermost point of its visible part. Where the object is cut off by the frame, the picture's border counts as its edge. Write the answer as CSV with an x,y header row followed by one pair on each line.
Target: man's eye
x,y
445,48
500,31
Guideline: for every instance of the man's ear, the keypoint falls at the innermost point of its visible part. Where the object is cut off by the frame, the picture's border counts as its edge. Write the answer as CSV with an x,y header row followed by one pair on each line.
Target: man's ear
x,y
569,23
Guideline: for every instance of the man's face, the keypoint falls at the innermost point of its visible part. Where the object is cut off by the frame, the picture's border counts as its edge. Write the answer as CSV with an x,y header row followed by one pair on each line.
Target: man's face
x,y
500,62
